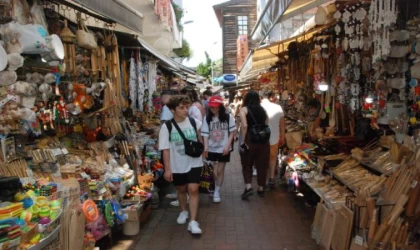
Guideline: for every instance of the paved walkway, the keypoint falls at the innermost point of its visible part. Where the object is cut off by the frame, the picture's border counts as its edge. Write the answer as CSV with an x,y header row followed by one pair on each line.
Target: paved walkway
x,y
279,221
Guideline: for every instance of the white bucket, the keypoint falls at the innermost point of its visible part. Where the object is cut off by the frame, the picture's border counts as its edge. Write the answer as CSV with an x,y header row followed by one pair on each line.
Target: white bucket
x,y
131,228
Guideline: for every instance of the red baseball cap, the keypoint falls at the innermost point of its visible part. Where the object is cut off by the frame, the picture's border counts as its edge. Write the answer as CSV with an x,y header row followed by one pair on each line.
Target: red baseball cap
x,y
215,101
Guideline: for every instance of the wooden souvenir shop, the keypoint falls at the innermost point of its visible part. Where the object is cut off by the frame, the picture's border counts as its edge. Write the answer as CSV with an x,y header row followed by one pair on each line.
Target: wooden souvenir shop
x,y
349,87
77,161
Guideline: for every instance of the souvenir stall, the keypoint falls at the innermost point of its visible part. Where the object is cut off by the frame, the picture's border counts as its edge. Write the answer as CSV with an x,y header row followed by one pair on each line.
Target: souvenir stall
x,y
357,151
73,169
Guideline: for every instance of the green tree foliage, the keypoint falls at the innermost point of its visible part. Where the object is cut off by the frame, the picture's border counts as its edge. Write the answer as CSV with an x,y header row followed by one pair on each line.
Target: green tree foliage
x,y
204,69
185,51
179,14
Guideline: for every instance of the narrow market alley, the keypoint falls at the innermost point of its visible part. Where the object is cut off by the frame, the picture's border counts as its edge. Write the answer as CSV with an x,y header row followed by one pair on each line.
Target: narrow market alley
x,y
278,221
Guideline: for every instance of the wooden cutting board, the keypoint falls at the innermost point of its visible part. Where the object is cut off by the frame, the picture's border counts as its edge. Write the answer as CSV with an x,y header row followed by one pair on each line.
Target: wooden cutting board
x,y
342,229
318,227
328,229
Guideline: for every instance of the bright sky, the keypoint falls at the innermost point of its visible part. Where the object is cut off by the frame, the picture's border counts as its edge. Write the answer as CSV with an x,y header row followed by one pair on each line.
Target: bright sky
x,y
203,32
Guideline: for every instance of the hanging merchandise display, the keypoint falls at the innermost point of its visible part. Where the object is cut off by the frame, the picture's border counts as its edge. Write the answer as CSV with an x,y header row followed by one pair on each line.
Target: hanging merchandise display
x,y
141,81
75,166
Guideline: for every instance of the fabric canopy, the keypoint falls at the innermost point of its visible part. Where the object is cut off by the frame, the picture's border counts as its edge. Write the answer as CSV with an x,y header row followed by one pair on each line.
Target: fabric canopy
x,y
116,10
265,57
276,11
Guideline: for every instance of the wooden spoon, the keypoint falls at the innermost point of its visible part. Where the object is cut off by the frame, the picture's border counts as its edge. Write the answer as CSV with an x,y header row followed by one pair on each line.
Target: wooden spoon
x,y
322,113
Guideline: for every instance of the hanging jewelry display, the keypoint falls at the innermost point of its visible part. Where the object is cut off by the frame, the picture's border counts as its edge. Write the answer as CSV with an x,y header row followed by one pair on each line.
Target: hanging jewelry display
x,y
140,82
382,16
132,83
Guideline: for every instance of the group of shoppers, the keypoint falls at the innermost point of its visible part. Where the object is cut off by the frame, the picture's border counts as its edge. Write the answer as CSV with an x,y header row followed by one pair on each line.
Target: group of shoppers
x,y
209,122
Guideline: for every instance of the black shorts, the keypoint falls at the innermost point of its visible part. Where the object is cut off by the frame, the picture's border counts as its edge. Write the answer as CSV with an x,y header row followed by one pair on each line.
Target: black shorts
x,y
193,176
218,157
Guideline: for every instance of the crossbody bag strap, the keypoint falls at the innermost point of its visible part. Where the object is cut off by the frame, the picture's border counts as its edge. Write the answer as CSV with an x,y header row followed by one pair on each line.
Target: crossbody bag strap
x,y
179,130
192,121
252,116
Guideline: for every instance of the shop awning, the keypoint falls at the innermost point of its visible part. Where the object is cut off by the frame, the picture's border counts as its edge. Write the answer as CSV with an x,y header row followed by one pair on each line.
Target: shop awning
x,y
169,61
265,57
276,11
117,10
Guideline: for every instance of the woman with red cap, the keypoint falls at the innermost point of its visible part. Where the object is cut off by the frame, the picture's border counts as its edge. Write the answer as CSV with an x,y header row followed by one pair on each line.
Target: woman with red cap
x,y
218,130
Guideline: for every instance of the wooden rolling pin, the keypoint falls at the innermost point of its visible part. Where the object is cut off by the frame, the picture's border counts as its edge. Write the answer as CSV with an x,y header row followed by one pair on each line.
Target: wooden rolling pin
x,y
396,231
94,62
370,203
414,198
404,234
372,226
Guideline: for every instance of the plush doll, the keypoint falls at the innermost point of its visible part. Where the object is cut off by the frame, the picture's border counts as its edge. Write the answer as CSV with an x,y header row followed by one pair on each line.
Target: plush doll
x,y
7,77
12,45
15,61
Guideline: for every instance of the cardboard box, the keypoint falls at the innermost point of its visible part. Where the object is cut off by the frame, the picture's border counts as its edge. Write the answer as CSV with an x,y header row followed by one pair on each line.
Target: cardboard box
x,y
133,212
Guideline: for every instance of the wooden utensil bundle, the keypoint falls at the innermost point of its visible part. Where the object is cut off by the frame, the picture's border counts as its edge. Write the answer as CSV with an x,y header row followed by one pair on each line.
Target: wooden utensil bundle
x,y
392,229
14,168
399,183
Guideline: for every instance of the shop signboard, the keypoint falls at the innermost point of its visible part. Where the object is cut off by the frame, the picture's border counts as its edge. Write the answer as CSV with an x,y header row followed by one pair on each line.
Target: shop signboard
x,y
230,80
242,50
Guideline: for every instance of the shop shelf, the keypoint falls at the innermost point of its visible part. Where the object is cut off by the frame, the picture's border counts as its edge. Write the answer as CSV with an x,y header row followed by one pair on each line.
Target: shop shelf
x,y
317,191
338,178
372,169
46,241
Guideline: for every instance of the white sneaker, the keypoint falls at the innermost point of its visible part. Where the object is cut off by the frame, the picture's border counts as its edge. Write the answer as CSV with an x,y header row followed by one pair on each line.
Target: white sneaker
x,y
174,203
183,217
171,196
216,197
254,172
194,227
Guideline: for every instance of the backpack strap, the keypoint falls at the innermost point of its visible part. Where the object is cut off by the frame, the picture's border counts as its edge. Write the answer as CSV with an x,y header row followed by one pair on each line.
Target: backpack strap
x,y
169,127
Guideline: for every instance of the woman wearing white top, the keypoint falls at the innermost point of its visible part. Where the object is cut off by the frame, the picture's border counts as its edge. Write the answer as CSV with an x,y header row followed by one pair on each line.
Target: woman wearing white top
x,y
218,130
196,109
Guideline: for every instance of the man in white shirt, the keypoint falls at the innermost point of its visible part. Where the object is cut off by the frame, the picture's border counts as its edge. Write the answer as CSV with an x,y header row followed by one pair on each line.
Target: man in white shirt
x,y
181,169
277,126
165,113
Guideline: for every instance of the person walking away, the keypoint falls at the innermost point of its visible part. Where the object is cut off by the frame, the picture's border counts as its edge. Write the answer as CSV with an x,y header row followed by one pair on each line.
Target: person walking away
x,y
165,113
277,126
206,96
252,152
218,131
181,169
196,109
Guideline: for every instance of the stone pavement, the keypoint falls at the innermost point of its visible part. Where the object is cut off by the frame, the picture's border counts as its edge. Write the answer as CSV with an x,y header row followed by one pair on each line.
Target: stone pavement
x,y
278,221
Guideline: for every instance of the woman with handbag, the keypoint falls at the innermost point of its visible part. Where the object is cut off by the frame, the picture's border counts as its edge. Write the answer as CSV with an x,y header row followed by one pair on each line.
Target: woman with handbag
x,y
218,130
255,147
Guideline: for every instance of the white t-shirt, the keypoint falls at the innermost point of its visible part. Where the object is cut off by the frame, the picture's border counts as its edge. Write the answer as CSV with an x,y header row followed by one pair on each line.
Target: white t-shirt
x,y
274,112
218,133
195,113
166,114
180,162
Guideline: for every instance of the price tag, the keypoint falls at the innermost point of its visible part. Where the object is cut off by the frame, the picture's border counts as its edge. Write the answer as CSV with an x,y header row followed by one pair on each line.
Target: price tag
x,y
84,175
57,174
56,151
29,172
359,240
102,191
414,184
65,151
